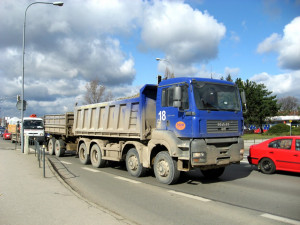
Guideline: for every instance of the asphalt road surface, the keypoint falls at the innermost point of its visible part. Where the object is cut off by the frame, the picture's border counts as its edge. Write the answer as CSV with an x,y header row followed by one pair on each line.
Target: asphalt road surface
x,y
242,195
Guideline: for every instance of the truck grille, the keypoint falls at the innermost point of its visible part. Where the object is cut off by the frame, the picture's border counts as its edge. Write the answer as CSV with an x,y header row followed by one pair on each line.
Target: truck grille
x,y
219,126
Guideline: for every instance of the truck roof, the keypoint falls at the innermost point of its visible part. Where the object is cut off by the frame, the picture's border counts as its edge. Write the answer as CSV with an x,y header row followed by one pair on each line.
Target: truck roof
x,y
32,118
188,79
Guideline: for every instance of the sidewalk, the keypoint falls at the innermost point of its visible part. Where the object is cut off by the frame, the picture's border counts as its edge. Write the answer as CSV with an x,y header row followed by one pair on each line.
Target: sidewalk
x,y
26,197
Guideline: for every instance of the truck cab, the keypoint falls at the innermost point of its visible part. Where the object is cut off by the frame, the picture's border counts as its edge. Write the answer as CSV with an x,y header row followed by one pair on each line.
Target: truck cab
x,y
34,128
204,117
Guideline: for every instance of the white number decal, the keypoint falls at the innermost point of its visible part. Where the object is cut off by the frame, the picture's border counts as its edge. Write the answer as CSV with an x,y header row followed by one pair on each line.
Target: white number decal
x,y
162,115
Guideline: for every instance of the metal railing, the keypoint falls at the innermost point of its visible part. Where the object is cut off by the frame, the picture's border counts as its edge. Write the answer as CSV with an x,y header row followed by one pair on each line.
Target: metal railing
x,y
39,152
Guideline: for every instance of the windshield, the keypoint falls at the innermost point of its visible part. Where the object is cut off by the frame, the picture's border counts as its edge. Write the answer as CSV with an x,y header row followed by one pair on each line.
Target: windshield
x,y
209,96
33,124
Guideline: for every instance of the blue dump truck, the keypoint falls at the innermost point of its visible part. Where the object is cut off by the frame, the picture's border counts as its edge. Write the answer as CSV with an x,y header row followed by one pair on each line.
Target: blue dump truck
x,y
178,125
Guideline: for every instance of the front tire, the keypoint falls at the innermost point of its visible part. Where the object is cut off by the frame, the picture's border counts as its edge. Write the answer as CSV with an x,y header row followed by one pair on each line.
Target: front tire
x,y
96,157
133,164
84,157
213,173
267,166
60,148
165,168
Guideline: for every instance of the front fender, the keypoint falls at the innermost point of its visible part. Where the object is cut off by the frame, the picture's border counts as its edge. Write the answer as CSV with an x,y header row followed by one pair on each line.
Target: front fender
x,y
168,139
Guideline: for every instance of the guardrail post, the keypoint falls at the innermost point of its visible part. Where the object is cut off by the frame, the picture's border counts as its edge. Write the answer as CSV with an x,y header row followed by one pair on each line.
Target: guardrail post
x,y
44,172
26,145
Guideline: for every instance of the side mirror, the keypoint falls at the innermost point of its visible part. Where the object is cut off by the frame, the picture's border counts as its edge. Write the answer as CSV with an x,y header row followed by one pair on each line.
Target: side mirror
x,y
243,96
177,97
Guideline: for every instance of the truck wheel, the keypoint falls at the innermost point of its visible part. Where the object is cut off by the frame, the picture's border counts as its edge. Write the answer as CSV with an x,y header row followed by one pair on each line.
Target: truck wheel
x,y
213,173
59,148
133,165
51,146
84,157
165,168
96,157
267,166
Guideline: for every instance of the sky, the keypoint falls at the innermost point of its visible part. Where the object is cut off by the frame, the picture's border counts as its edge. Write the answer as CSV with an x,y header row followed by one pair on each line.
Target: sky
x,y
118,41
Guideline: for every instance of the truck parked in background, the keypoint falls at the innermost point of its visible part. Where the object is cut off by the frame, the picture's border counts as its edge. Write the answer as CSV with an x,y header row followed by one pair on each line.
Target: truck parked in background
x,y
178,125
14,128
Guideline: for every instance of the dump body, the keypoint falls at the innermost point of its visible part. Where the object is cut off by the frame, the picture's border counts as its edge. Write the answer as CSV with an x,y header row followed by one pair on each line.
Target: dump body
x,y
128,118
59,124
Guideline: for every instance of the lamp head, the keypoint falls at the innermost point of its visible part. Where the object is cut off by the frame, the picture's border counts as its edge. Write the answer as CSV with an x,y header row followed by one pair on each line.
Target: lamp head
x,y
58,3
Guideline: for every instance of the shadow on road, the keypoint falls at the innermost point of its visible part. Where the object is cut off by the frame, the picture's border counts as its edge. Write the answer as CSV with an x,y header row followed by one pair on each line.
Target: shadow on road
x,y
232,172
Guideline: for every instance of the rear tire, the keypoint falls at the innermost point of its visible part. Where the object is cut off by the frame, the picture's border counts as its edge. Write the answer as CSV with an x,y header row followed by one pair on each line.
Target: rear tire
x,y
60,148
84,157
165,168
96,157
51,146
267,166
213,173
133,164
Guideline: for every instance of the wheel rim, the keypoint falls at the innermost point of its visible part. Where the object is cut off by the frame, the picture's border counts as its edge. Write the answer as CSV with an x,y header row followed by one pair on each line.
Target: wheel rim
x,y
82,156
50,146
163,168
57,146
95,156
266,165
133,162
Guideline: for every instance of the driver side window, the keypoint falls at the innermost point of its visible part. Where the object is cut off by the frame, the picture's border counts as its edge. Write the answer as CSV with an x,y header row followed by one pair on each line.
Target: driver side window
x,y
167,97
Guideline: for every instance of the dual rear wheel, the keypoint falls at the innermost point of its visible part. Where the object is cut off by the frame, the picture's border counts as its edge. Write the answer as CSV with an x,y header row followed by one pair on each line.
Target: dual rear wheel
x,y
56,146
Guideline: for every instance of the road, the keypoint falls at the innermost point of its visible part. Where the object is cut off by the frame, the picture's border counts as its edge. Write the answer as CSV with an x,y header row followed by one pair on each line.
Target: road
x,y
242,195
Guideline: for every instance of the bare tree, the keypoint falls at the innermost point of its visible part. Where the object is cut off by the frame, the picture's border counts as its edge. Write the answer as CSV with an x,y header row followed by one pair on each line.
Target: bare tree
x,y
95,92
288,105
168,74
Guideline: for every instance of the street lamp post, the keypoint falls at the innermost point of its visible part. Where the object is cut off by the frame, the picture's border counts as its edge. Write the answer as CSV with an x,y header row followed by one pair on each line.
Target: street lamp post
x,y
167,61
22,95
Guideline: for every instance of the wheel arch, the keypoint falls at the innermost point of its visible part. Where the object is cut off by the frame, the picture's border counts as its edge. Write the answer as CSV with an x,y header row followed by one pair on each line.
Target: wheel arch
x,y
133,144
87,143
155,149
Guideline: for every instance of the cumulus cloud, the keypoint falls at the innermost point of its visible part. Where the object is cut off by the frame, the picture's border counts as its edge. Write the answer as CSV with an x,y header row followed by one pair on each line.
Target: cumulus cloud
x,y
282,85
232,71
287,46
184,34
68,46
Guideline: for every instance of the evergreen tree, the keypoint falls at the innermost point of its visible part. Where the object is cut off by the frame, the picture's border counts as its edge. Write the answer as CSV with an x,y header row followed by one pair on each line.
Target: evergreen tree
x,y
228,78
260,103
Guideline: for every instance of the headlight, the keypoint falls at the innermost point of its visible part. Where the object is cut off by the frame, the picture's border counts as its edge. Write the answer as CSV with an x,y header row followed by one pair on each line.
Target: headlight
x,y
198,154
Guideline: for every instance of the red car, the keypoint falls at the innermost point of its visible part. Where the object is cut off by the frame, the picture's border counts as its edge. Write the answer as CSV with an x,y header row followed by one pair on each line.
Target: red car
x,y
6,135
280,153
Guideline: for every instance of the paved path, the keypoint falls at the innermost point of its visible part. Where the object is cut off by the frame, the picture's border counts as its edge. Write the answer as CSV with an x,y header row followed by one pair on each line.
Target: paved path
x,y
28,198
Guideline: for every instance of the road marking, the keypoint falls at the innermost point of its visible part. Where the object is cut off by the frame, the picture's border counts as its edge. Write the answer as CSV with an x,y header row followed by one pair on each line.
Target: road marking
x,y
190,196
64,162
281,219
91,170
128,180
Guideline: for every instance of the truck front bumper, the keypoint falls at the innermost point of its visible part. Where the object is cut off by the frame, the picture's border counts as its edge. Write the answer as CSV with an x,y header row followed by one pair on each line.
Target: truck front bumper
x,y
217,152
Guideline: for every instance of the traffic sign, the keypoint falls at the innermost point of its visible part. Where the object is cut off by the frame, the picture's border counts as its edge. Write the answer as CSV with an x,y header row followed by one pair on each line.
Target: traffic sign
x,y
19,105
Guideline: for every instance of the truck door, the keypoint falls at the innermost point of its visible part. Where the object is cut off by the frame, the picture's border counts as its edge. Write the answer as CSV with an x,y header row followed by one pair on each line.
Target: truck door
x,y
174,118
